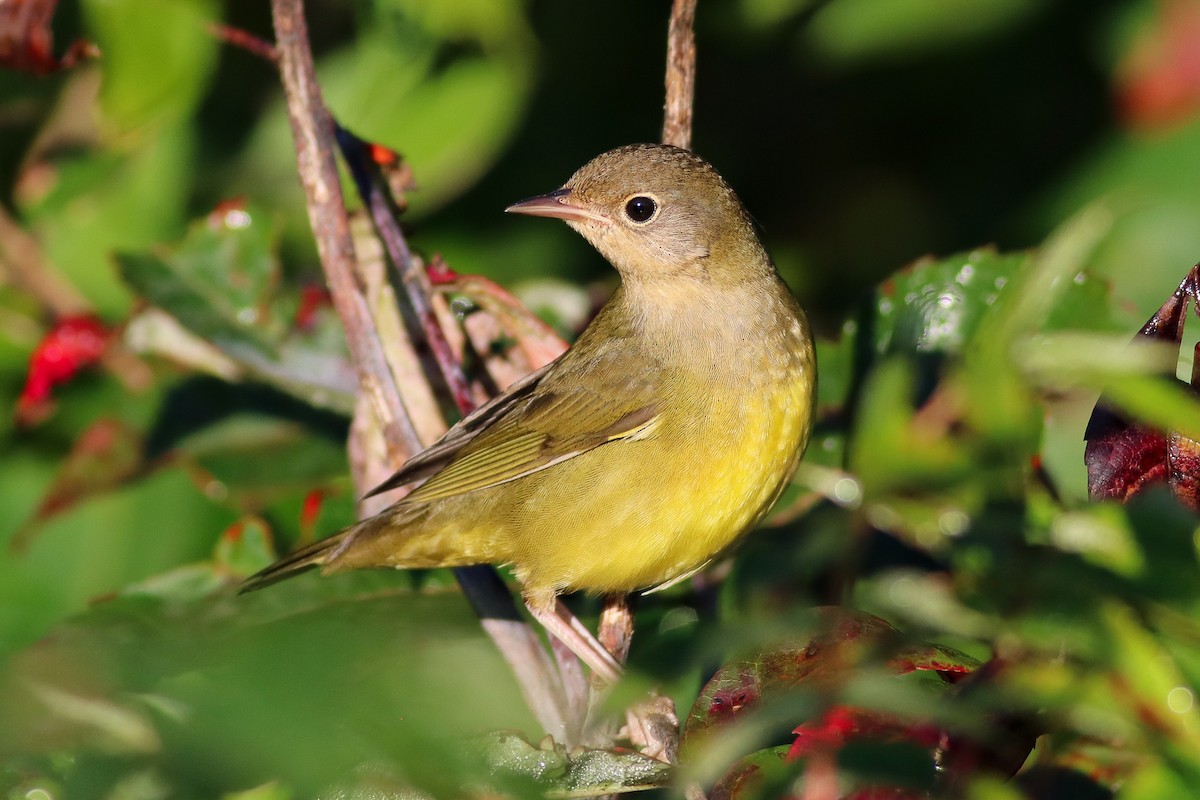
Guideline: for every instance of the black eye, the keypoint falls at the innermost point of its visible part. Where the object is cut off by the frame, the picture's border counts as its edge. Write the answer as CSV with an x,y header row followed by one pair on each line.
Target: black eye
x,y
640,208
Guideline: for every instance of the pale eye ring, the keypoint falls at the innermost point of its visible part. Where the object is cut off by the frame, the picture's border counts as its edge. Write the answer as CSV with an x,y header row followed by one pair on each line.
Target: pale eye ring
x,y
641,208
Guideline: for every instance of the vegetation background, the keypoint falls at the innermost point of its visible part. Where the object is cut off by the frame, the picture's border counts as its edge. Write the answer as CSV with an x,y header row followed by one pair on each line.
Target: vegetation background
x,y
862,134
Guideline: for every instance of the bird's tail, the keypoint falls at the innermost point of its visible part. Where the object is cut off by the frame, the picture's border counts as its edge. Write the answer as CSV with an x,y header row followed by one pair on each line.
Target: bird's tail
x,y
304,559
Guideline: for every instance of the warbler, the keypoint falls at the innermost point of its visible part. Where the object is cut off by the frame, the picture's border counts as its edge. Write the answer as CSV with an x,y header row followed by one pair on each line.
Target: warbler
x,y
650,446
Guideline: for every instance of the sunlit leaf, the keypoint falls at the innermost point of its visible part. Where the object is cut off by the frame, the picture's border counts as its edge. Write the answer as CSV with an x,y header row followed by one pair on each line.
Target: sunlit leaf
x,y
97,202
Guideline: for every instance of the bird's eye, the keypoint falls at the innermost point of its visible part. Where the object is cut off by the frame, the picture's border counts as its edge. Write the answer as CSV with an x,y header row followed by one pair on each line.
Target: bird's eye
x,y
641,208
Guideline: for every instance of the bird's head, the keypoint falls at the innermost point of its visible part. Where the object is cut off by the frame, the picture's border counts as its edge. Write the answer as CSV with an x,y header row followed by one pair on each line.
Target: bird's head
x,y
655,211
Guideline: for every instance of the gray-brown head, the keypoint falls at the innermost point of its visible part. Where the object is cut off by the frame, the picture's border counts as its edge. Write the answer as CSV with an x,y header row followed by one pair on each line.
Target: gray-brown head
x,y
655,211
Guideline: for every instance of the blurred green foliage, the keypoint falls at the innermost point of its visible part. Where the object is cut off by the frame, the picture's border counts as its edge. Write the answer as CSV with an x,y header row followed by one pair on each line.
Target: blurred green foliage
x,y
979,206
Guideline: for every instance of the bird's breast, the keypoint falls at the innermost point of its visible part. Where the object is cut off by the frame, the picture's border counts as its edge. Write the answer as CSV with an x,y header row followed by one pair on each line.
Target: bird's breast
x,y
730,433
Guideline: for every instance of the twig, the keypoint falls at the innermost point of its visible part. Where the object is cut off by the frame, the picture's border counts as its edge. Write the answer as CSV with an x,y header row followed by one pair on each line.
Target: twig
x,y
312,132
681,74
245,40
616,626
416,284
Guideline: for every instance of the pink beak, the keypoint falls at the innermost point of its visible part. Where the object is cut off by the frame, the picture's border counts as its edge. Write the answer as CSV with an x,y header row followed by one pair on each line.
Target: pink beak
x,y
554,205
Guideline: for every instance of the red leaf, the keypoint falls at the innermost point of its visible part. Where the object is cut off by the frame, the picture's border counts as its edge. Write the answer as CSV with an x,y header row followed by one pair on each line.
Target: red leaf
x,y
440,273
312,299
382,155
1123,458
309,513
72,344
841,724
27,41
845,639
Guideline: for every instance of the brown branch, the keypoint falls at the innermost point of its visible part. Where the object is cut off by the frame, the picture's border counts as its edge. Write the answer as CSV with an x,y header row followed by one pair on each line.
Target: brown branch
x,y
244,40
681,74
384,210
312,132
616,626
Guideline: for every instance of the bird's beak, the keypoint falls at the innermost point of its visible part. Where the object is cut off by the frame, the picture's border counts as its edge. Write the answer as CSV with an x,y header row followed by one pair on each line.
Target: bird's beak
x,y
555,204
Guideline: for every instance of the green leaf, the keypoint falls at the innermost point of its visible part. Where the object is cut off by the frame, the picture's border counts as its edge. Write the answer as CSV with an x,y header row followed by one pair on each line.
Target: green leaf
x,y
498,25
100,201
580,772
403,86
226,691
158,56
939,306
219,280
202,307
220,283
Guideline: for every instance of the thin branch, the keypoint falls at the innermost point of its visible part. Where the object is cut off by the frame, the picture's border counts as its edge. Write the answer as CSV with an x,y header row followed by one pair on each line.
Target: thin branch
x,y
414,280
244,40
616,625
312,132
549,694
681,74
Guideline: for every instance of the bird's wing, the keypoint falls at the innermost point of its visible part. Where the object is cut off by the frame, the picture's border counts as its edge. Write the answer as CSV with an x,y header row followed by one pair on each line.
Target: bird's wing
x,y
437,455
545,429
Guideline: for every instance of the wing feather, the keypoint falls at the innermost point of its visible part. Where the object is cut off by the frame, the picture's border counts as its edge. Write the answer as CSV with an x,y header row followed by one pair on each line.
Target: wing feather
x,y
433,458
540,421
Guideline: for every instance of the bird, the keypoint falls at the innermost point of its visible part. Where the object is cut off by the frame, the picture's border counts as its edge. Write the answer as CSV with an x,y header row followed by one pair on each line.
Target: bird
x,y
649,447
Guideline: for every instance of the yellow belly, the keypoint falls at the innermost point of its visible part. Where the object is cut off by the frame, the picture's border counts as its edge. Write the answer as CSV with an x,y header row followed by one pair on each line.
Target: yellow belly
x,y
651,514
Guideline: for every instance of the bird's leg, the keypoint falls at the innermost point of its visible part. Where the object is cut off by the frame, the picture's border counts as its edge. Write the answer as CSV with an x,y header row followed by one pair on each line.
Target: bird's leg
x,y
652,724
615,630
566,627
